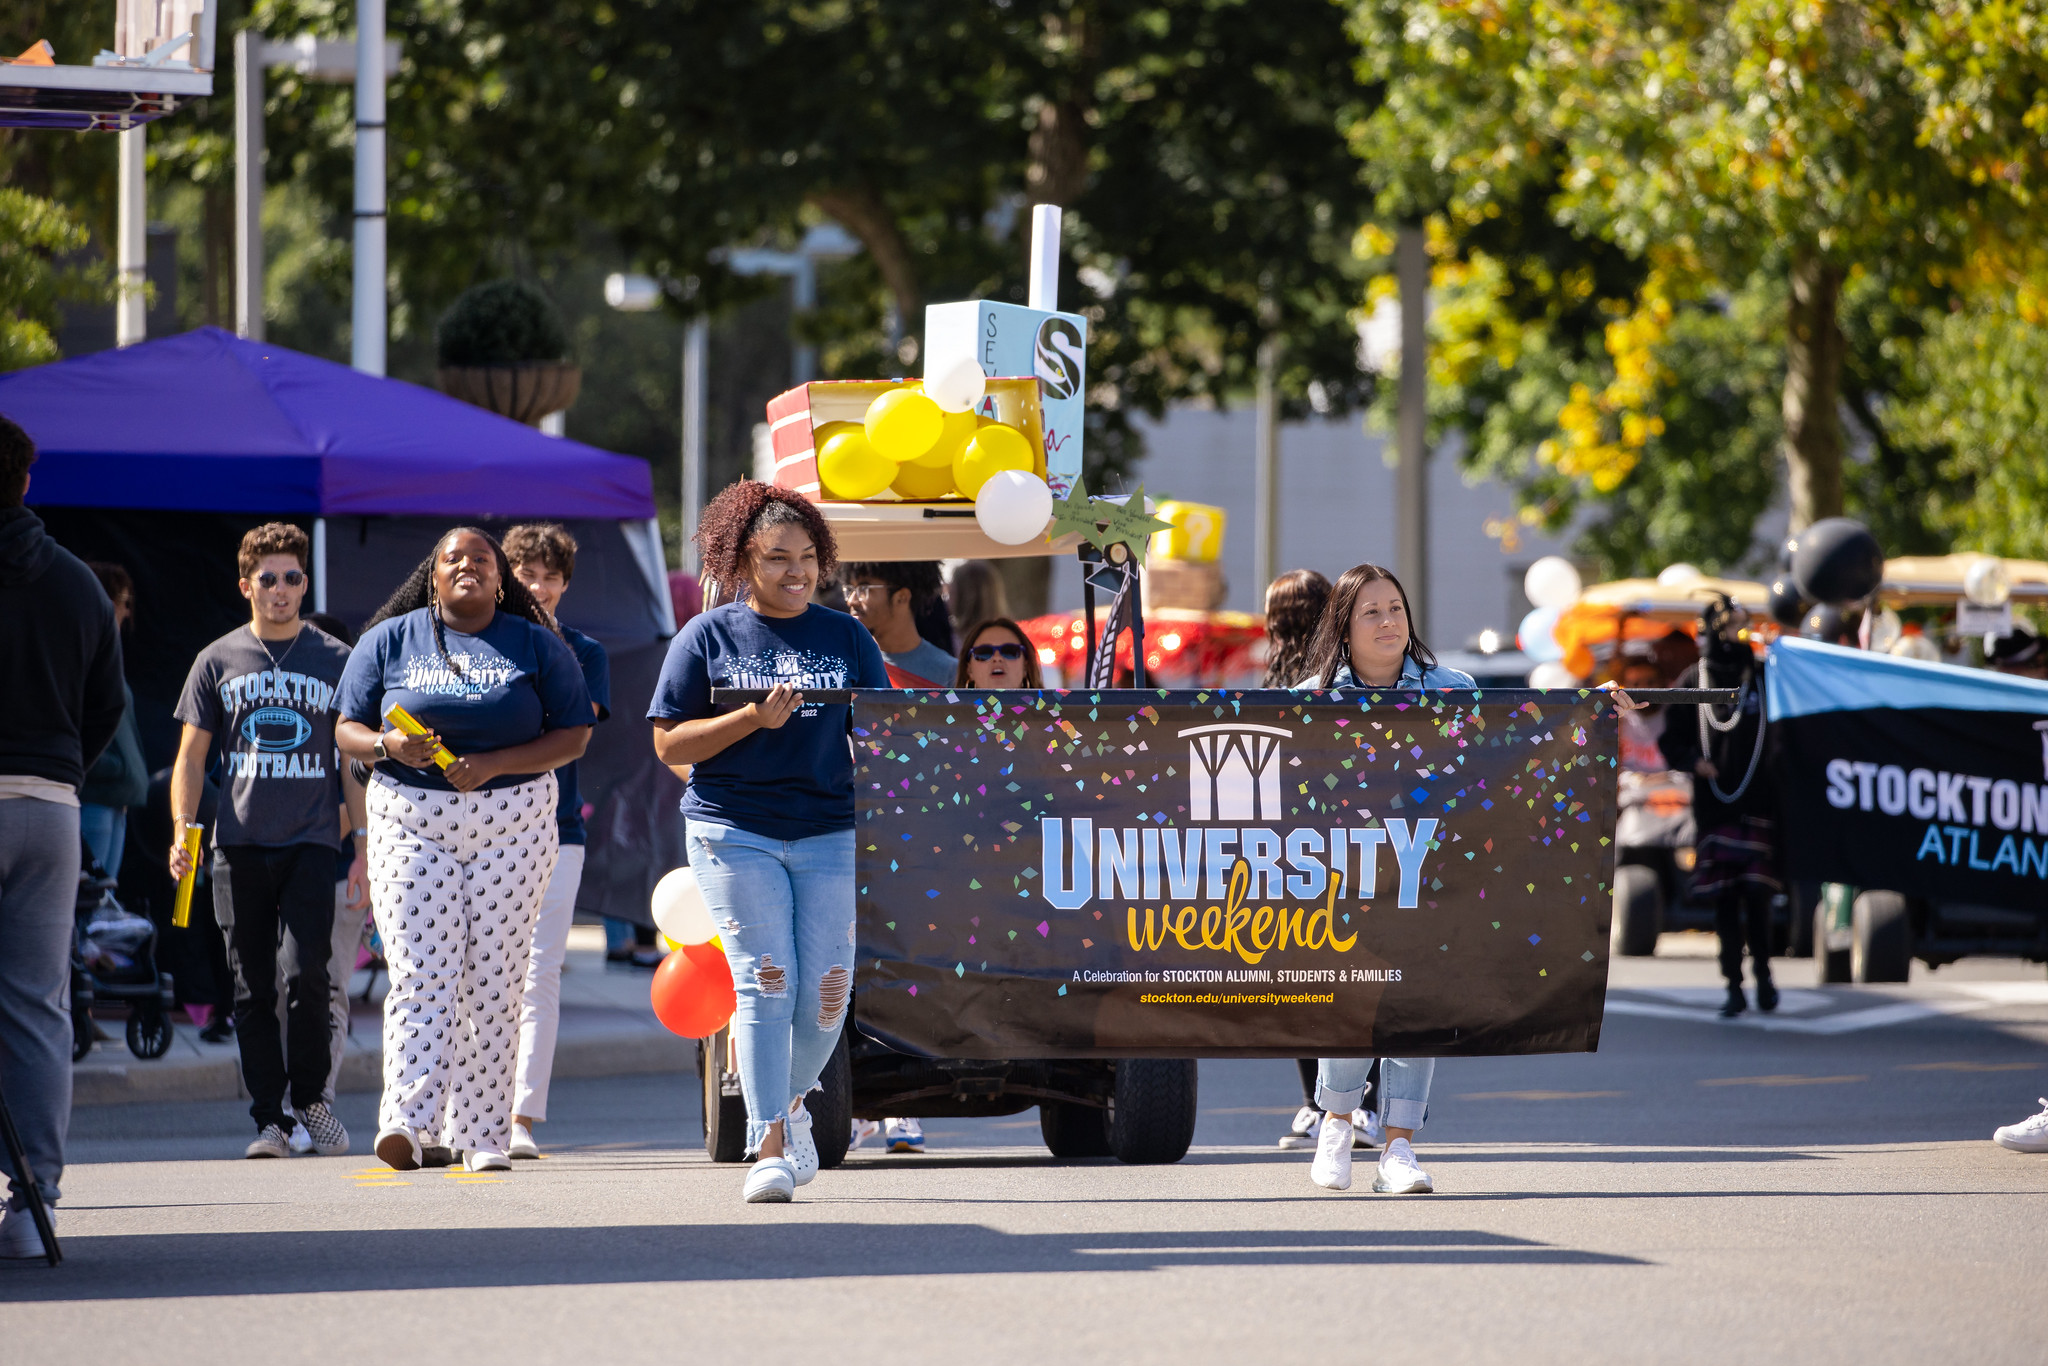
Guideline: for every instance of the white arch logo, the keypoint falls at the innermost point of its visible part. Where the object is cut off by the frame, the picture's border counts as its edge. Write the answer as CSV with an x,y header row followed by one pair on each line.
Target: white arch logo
x,y
1234,772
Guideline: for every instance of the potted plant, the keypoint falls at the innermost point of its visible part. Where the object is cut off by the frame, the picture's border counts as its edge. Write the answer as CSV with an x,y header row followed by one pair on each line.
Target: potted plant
x,y
502,346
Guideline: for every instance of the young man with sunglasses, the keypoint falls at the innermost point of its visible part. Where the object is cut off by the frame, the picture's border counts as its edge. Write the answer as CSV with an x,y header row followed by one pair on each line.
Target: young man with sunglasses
x,y
264,694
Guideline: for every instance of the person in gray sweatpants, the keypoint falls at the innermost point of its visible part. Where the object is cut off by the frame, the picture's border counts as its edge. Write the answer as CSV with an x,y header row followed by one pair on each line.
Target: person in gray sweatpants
x,y
60,676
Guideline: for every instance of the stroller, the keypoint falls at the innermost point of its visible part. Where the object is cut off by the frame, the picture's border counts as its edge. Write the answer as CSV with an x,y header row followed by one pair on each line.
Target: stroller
x,y
113,958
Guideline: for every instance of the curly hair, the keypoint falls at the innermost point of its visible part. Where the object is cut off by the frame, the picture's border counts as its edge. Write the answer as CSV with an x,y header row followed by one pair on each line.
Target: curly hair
x,y
548,542
1294,608
272,538
418,591
1032,679
745,509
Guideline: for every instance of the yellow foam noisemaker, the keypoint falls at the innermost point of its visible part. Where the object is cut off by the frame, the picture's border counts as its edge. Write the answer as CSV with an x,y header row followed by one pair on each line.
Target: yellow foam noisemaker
x,y
403,720
181,908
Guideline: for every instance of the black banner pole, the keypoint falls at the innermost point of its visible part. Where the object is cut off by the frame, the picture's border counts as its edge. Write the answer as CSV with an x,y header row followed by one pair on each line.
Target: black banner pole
x,y
1661,697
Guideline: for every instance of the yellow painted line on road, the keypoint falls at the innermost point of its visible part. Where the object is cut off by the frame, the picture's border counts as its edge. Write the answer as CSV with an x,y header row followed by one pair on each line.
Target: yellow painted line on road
x,y
1785,1079
1968,1066
1540,1095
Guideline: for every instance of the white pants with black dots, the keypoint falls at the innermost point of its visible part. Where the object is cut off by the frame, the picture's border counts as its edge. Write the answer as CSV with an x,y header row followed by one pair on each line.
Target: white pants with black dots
x,y
455,881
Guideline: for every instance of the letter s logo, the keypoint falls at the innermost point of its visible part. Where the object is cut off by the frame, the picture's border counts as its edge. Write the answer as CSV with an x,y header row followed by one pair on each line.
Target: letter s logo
x,y
1841,784
1057,358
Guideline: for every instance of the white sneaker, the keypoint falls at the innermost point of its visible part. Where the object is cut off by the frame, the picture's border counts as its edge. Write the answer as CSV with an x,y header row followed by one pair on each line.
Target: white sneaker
x,y
863,1130
523,1146
798,1145
1302,1132
398,1149
300,1142
2030,1135
903,1136
270,1141
771,1182
324,1133
18,1235
1332,1168
479,1160
1398,1173
1366,1129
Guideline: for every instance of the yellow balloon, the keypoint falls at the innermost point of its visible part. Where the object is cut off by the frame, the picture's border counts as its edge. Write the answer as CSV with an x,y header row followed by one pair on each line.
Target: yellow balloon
x,y
825,431
993,448
902,424
959,428
849,467
919,483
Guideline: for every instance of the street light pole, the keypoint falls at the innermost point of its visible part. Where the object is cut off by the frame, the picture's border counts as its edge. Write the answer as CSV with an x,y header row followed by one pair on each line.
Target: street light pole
x,y
1411,475
369,321
696,347
250,52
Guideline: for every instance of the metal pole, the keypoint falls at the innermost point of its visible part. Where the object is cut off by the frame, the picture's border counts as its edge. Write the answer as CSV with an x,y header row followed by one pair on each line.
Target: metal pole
x,y
1045,257
131,248
1266,464
804,292
368,319
1411,476
319,564
249,58
696,345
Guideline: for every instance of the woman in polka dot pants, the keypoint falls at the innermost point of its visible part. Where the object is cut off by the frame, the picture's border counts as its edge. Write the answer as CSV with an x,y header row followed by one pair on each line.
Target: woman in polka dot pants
x,y
455,881
462,833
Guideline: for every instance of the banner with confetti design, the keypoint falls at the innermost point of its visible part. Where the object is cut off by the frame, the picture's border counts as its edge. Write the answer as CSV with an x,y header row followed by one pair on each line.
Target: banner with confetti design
x,y
1233,874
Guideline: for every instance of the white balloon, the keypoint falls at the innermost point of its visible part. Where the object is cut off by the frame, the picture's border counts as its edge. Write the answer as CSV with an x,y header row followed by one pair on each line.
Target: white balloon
x,y
1552,674
1552,582
1886,630
1986,582
1013,507
1536,637
679,909
1679,575
1915,647
959,385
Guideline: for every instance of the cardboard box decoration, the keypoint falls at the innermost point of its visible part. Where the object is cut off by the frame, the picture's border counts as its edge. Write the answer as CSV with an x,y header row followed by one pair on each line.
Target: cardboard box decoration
x,y
795,415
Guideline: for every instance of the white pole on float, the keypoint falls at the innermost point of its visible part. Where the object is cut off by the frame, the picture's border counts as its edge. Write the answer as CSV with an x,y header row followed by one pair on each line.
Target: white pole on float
x,y
131,245
368,317
1045,257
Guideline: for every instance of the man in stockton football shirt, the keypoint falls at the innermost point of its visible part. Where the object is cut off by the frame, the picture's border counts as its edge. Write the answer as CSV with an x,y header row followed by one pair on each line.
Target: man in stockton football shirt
x,y
265,692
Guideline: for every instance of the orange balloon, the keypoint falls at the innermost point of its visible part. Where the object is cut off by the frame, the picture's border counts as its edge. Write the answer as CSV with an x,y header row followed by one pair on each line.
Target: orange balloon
x,y
692,992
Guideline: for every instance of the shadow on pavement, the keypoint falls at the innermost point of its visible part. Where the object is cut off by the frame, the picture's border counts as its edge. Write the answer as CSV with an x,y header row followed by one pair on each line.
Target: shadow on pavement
x,y
176,1266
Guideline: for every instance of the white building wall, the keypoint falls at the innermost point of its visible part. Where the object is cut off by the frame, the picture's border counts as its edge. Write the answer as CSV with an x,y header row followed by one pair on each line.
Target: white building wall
x,y
1336,510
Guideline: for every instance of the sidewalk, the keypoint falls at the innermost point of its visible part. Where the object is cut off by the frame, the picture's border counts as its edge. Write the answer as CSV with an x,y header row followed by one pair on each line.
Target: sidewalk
x,y
607,1029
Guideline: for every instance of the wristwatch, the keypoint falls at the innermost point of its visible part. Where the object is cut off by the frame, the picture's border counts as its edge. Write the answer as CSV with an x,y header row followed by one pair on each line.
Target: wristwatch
x,y
378,748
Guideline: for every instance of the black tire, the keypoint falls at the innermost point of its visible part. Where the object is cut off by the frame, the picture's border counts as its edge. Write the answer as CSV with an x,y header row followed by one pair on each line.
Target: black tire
x,y
149,1033
725,1117
831,1106
1881,947
1153,1119
81,1034
1074,1130
1638,911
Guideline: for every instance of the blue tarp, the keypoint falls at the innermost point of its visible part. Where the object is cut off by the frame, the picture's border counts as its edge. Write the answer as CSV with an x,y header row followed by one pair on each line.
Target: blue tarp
x,y
209,422
1807,677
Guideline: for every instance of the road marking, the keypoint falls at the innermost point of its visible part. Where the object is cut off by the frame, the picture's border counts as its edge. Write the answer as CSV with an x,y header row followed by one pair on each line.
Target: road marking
x,y
1783,1079
1968,1066
1539,1095
1842,1022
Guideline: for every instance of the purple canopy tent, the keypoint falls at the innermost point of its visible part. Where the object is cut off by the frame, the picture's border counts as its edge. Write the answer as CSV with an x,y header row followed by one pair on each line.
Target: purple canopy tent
x,y
159,455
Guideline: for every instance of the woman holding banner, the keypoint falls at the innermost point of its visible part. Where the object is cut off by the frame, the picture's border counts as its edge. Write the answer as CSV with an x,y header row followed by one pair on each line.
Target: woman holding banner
x,y
1366,639
769,806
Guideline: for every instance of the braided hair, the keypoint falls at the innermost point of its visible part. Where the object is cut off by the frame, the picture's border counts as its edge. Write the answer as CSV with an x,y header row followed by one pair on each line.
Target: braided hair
x,y
418,591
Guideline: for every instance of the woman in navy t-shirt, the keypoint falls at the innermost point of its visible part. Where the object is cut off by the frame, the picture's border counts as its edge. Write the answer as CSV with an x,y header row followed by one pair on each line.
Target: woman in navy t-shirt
x,y
459,855
769,807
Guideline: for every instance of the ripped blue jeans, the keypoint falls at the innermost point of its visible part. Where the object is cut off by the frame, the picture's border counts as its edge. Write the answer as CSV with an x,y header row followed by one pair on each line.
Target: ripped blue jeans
x,y
1404,1088
784,909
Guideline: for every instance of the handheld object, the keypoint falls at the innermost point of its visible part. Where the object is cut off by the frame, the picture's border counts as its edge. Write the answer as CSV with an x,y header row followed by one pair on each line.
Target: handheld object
x,y
402,719
181,908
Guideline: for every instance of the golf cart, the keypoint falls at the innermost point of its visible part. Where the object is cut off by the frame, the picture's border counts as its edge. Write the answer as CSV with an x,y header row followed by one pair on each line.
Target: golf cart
x,y
1870,934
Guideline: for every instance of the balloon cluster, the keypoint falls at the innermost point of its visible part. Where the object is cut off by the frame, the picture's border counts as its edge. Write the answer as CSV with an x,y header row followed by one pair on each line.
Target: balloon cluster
x,y
1823,571
1551,585
692,992
924,441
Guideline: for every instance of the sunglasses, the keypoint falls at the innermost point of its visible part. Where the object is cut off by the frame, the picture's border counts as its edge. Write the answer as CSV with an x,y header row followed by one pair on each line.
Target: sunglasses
x,y
982,654
292,578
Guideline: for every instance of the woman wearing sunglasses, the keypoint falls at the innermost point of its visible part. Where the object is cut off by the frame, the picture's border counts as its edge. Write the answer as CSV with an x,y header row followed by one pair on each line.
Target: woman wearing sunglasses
x,y
997,655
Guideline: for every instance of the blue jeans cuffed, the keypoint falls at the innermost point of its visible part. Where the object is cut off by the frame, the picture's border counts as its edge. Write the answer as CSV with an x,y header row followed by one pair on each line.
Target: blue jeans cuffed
x,y
1404,1088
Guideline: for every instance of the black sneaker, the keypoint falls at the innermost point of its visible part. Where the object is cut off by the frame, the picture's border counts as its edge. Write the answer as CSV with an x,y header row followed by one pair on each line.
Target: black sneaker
x,y
219,1030
1735,1004
1766,996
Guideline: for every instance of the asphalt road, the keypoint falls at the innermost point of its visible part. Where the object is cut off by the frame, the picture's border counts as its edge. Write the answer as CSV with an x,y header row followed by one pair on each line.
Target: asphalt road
x,y
1815,1188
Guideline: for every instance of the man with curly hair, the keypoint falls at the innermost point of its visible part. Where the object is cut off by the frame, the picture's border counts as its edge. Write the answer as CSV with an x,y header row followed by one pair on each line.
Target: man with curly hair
x,y
769,805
